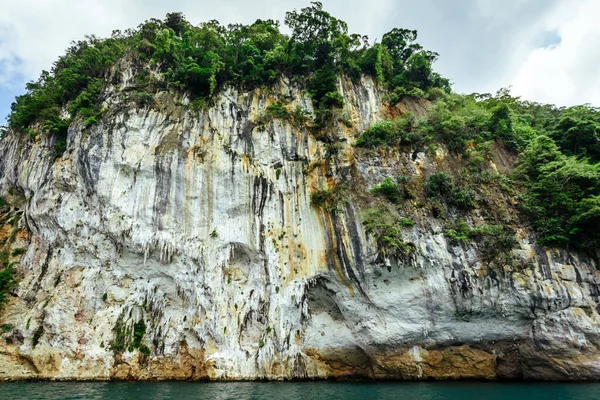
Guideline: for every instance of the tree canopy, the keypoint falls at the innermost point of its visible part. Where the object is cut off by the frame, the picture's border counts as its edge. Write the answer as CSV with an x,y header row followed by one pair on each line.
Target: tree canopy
x,y
172,53
558,148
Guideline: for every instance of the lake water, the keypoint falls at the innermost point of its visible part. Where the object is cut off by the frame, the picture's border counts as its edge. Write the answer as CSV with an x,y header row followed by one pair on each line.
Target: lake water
x,y
299,390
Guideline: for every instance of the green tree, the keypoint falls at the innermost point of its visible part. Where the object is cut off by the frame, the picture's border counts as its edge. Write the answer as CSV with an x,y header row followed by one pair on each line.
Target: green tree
x,y
578,131
561,194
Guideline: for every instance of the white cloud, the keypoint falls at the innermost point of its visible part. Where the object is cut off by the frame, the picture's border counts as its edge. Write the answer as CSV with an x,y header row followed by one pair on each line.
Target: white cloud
x,y
35,33
568,73
482,43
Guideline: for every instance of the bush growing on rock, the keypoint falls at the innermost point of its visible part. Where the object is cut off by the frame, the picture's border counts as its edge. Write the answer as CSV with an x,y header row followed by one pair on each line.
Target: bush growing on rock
x,y
439,184
387,230
495,241
464,198
18,251
7,277
37,335
7,282
388,189
332,198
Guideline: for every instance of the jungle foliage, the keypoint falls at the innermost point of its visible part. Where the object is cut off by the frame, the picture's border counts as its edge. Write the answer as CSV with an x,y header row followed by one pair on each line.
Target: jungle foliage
x,y
199,60
557,174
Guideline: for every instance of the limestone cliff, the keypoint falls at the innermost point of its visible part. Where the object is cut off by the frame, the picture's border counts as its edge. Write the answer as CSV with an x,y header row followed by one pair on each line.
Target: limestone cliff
x,y
167,243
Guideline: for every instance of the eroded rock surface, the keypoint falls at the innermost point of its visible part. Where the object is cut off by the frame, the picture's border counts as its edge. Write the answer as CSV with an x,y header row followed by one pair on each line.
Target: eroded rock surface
x,y
172,244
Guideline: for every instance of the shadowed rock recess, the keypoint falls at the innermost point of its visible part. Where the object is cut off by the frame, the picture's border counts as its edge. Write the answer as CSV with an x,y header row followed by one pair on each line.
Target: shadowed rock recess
x,y
169,242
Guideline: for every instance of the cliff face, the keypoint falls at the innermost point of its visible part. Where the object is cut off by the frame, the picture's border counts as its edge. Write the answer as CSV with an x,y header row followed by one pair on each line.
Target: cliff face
x,y
172,244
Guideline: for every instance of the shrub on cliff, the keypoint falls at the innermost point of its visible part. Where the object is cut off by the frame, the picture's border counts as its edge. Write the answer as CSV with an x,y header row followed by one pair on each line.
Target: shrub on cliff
x,y
382,133
439,184
494,241
129,338
405,130
387,228
331,198
464,198
37,335
388,189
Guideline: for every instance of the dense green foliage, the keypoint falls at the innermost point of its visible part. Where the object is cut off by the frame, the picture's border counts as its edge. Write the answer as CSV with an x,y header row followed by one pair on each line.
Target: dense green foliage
x,y
557,165
75,84
439,184
558,152
198,60
388,189
563,194
558,149
577,132
402,131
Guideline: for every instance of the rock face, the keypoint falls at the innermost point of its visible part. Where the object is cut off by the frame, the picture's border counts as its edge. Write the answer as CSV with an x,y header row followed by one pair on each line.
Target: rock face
x,y
172,244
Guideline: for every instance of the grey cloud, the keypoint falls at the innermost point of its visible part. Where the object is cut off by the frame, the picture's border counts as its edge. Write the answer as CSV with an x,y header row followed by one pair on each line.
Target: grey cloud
x,y
481,43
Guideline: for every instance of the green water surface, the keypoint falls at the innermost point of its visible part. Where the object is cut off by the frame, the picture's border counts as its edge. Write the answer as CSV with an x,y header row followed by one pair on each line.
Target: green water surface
x,y
299,390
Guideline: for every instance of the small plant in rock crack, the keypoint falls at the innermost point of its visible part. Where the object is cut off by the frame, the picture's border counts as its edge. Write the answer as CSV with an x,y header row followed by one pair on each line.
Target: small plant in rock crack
x,y
18,251
387,189
37,336
332,198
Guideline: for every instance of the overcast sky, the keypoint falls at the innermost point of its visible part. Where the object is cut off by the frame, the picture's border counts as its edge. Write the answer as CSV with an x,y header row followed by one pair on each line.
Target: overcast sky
x,y
548,50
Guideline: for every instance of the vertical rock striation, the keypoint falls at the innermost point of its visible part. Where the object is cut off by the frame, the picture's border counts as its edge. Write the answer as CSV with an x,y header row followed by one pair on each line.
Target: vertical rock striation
x,y
171,244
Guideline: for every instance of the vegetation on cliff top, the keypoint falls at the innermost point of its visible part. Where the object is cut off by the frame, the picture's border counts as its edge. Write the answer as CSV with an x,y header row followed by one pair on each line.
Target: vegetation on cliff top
x,y
198,60
557,173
